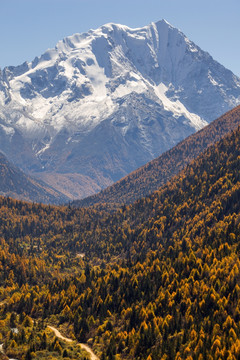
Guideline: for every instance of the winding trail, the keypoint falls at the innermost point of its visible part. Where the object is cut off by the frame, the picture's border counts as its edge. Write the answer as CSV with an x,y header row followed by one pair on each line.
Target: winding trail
x,y
83,346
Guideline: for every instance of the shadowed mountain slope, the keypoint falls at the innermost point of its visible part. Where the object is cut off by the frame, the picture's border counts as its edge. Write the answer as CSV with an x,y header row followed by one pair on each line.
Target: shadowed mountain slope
x,y
16,184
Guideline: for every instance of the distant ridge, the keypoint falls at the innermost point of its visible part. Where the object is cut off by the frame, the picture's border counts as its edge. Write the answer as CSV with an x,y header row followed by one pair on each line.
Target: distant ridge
x,y
14,183
157,172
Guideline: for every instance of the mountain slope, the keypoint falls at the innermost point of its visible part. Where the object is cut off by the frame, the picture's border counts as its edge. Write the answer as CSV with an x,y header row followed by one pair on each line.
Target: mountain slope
x,y
169,288
206,191
199,197
14,183
103,103
151,176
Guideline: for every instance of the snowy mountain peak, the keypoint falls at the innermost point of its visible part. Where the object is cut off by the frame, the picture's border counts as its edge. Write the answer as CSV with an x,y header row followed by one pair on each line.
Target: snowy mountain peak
x,y
164,21
151,85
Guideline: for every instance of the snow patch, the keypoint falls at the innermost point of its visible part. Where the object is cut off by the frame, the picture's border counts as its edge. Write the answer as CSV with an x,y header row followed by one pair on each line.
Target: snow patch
x,y
40,152
178,108
214,82
9,131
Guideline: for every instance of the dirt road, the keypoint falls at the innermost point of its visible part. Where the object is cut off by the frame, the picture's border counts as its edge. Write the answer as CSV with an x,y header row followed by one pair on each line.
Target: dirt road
x,y
83,346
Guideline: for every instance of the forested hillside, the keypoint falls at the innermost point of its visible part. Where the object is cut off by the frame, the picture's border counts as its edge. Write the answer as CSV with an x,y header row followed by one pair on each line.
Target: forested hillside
x,y
156,173
158,279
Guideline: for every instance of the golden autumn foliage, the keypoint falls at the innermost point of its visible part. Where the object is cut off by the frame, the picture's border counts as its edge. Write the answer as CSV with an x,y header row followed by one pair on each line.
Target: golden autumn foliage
x,y
158,279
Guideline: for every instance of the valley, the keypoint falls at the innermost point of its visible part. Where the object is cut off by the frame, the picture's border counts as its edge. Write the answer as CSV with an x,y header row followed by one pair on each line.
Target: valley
x,y
159,277
120,200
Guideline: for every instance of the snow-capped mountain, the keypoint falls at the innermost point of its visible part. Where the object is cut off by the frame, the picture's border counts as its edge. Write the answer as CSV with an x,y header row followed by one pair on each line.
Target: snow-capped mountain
x,y
105,102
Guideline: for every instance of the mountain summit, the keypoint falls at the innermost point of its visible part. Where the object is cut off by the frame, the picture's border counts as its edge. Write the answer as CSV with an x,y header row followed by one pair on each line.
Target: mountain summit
x,y
105,102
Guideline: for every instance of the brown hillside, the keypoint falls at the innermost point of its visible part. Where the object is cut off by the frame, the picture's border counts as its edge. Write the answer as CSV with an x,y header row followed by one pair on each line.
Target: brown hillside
x,y
18,185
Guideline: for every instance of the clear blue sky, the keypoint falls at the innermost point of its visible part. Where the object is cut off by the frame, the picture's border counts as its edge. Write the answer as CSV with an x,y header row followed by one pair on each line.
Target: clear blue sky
x,y
29,27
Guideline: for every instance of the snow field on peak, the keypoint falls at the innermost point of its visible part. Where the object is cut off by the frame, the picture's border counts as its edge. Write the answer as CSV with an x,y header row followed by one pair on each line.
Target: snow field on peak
x,y
88,77
178,108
